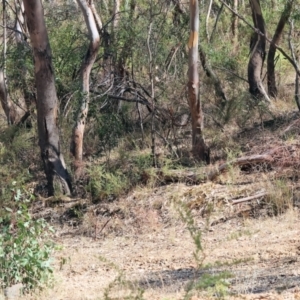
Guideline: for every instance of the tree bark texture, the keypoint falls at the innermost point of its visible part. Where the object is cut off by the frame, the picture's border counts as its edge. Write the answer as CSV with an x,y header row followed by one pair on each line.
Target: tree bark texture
x,y
257,52
46,99
86,67
199,149
272,89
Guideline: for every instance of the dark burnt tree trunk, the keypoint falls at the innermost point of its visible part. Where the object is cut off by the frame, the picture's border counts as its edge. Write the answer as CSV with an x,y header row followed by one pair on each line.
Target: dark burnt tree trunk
x,y
199,148
272,88
46,99
257,53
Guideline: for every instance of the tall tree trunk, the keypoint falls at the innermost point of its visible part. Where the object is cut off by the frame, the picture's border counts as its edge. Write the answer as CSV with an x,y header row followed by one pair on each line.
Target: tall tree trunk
x,y
20,36
116,16
257,53
6,103
20,22
199,149
272,89
46,99
234,27
86,67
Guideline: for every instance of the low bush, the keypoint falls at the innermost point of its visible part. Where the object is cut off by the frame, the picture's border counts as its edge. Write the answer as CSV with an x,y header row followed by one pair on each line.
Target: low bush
x,y
25,246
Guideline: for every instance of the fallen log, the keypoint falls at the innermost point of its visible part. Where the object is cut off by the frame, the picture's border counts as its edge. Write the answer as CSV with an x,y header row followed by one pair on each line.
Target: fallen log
x,y
203,174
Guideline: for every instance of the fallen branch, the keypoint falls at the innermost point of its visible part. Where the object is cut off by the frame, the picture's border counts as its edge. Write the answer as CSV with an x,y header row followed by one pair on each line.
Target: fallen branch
x,y
257,196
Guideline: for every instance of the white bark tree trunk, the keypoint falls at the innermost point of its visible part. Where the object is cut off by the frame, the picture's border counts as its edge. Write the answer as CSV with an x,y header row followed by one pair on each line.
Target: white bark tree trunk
x,y
86,67
200,150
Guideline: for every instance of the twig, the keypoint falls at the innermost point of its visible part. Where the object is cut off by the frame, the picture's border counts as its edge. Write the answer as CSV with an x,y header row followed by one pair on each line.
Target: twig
x,y
232,73
104,225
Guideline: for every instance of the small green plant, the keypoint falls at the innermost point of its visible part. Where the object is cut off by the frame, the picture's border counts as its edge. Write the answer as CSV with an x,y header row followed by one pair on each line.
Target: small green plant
x,y
237,234
195,233
129,290
215,285
25,249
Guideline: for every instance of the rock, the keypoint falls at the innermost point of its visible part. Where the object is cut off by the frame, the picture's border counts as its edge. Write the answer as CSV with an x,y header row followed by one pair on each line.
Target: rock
x,y
13,292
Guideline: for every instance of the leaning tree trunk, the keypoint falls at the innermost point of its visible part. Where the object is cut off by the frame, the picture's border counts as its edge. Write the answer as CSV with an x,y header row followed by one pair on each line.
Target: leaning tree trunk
x,y
46,99
86,67
219,90
257,53
272,89
199,149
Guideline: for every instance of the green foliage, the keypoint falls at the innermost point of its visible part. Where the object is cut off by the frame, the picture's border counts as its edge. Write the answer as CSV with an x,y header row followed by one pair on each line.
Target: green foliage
x,y
104,183
68,48
215,285
25,248
19,70
16,155
110,129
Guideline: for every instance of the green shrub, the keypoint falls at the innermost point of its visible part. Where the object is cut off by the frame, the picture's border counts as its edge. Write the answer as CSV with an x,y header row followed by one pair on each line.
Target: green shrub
x,y
105,184
25,249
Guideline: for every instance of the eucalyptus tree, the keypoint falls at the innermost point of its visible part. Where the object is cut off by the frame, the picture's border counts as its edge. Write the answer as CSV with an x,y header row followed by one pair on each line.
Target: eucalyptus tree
x,y
86,67
48,133
257,52
199,148
272,88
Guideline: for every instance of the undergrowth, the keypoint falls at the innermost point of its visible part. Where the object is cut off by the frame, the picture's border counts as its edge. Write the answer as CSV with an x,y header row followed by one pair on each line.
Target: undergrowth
x,y
25,245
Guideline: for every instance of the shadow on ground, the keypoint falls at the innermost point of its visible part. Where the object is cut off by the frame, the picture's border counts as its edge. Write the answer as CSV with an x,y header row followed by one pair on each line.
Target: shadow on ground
x,y
267,276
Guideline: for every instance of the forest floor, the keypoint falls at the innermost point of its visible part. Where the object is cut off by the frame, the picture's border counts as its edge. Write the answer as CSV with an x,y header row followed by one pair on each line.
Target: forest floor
x,y
155,255
142,245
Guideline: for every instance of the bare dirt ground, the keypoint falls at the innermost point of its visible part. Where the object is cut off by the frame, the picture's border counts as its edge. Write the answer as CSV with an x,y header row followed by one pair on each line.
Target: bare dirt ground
x,y
154,254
